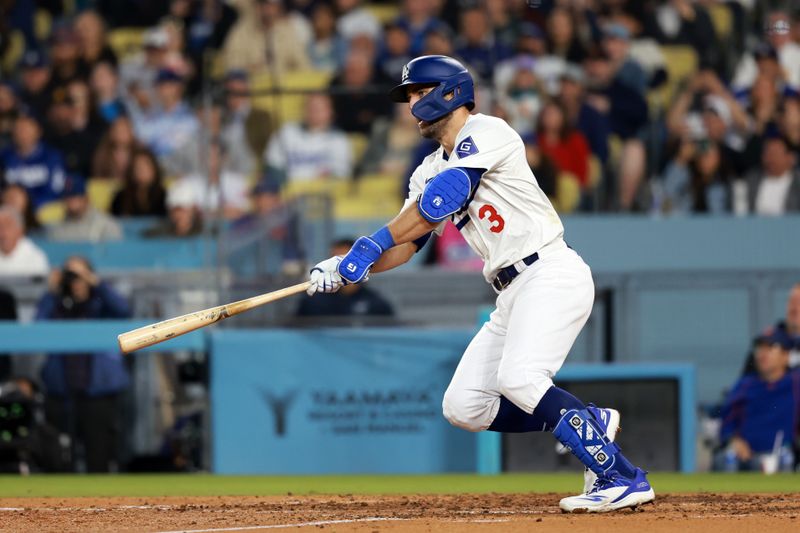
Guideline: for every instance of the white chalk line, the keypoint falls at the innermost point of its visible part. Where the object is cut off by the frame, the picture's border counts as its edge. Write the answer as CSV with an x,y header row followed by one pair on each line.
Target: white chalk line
x,y
286,526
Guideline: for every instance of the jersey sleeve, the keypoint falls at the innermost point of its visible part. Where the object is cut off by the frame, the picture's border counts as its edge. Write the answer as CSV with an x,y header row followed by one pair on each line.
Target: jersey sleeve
x,y
483,143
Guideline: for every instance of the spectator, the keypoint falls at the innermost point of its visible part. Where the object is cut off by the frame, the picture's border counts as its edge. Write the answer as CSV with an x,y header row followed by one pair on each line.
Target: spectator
x,y
355,20
588,120
786,51
564,145
257,41
313,149
531,49
327,48
683,22
138,72
82,221
19,256
142,194
106,93
73,127
697,179
245,130
17,197
8,111
279,221
762,410
626,111
418,19
720,118
438,41
184,217
205,27
562,39
391,145
523,99
351,300
396,51
170,124
790,325
83,389
220,192
616,44
356,99
477,45
65,53
543,168
112,158
36,81
93,45
32,163
504,22
775,189
789,120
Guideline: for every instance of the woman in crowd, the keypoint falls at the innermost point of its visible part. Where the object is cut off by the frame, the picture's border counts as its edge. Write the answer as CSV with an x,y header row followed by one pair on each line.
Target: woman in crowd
x,y
143,193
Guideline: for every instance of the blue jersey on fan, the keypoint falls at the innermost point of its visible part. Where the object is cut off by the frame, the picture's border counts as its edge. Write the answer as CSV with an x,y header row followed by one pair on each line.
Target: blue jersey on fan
x,y
41,172
756,410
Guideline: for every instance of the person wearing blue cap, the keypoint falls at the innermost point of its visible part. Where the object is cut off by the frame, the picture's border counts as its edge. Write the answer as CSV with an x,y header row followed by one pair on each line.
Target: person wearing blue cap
x,y
761,413
32,163
171,123
82,222
35,76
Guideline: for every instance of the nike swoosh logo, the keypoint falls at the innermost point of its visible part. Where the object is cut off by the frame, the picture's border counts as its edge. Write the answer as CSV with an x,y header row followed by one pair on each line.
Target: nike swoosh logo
x,y
592,498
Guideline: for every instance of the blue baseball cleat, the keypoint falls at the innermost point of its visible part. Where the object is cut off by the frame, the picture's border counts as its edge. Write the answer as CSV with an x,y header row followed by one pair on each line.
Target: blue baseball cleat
x,y
609,421
610,492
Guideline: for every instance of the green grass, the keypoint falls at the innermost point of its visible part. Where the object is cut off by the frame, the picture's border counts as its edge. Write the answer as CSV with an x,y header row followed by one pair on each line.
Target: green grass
x,y
147,485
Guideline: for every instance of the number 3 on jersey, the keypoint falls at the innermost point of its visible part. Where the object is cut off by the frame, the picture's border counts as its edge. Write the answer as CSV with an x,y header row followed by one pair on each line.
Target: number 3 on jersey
x,y
487,211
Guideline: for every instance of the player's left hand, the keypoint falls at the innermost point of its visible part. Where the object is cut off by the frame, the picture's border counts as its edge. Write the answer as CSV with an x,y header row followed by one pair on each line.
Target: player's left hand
x,y
324,276
356,264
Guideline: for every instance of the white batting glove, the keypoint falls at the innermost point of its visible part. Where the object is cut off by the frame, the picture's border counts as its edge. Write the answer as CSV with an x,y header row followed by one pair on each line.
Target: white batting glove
x,y
324,277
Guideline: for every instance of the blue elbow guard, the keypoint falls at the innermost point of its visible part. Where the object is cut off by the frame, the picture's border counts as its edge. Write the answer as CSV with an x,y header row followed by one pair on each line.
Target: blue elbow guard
x,y
445,193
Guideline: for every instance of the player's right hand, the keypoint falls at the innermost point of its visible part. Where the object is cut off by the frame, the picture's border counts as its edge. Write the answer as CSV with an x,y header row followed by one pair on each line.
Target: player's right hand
x,y
324,277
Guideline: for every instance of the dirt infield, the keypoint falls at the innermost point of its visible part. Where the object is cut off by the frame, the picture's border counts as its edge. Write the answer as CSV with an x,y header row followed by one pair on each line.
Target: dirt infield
x,y
480,512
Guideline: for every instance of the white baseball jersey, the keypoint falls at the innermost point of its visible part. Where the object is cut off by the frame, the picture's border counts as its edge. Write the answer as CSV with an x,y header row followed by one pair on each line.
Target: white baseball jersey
x,y
509,217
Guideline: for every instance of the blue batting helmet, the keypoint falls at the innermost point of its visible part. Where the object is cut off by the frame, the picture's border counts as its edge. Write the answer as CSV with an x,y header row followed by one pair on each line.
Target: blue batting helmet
x,y
447,75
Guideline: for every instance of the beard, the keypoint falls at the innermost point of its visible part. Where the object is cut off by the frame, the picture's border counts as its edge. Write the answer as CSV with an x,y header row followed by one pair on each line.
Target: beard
x,y
434,130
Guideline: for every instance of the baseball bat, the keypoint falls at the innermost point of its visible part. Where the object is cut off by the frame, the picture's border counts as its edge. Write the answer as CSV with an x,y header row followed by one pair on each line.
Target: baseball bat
x,y
173,327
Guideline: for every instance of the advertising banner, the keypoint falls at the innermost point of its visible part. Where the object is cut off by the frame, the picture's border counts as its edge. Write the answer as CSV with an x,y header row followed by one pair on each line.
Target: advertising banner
x,y
335,401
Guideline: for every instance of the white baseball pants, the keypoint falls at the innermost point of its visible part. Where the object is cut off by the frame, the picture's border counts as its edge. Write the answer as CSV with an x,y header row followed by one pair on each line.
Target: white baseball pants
x,y
525,342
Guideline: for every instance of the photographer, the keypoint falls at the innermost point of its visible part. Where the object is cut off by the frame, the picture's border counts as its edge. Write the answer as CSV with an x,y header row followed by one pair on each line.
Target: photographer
x,y
83,389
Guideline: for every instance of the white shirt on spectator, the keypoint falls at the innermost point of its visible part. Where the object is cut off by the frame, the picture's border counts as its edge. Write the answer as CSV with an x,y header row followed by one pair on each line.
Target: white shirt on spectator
x,y
358,21
747,69
231,191
307,155
771,197
26,259
165,132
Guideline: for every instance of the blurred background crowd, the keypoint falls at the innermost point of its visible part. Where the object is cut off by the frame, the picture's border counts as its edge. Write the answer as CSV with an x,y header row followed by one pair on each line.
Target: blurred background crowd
x,y
231,120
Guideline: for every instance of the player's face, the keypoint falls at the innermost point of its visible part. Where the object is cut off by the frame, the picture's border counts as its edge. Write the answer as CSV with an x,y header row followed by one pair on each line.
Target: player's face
x,y
429,130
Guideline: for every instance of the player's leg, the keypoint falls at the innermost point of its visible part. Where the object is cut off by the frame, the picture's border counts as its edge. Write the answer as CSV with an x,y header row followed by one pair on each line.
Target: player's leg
x,y
548,310
472,399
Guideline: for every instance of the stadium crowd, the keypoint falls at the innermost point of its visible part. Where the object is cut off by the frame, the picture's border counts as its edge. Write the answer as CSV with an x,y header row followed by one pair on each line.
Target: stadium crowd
x,y
673,106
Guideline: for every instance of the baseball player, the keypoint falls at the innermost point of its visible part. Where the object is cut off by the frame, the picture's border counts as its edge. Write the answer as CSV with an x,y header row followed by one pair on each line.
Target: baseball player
x,y
479,180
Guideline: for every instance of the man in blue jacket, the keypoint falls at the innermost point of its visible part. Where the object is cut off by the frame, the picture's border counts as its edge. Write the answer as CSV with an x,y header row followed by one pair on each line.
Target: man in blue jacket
x,y
83,389
762,412
31,163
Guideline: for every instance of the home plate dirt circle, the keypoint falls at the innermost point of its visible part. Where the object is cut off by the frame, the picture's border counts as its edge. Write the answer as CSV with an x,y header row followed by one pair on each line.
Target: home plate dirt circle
x,y
478,512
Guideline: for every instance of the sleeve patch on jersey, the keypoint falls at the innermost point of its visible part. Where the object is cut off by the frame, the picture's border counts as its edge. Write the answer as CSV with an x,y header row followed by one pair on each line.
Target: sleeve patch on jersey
x,y
466,147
